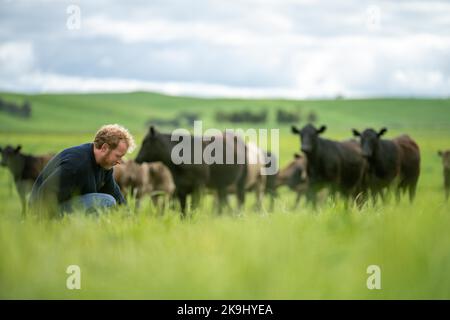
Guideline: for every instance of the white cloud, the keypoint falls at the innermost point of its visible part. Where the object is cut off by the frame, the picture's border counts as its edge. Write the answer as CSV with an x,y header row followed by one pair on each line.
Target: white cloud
x,y
47,82
16,58
245,48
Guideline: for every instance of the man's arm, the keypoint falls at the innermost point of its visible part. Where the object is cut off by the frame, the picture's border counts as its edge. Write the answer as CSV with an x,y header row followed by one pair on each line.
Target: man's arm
x,y
112,188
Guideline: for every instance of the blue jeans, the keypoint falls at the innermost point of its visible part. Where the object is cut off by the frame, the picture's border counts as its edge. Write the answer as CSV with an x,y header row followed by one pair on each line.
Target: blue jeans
x,y
88,203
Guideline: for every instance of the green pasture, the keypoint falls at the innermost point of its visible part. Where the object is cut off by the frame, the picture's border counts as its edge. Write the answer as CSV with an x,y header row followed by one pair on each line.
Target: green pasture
x,y
284,254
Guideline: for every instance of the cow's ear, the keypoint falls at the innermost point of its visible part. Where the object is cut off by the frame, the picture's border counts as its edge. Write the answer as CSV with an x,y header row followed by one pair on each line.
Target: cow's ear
x,y
18,148
440,154
382,131
297,156
321,129
152,131
356,133
295,130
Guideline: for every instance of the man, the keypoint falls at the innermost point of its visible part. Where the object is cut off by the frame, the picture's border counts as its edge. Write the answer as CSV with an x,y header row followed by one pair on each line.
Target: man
x,y
81,177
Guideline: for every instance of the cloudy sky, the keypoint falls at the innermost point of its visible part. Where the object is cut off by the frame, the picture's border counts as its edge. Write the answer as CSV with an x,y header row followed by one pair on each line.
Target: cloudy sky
x,y
246,48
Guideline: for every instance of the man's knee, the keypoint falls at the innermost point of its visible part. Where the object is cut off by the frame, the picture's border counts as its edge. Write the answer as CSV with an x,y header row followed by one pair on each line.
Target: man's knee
x,y
107,200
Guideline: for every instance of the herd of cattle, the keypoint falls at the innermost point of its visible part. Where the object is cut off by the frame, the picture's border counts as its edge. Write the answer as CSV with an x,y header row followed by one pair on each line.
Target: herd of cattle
x,y
354,169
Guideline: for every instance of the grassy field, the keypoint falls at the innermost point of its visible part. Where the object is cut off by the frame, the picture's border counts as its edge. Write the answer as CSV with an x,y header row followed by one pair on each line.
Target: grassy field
x,y
285,254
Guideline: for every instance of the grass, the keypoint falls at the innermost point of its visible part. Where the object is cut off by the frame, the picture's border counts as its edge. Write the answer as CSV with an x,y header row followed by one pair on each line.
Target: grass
x,y
286,254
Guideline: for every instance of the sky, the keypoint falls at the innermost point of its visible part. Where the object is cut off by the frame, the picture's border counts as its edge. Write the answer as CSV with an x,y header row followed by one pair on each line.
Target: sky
x,y
232,48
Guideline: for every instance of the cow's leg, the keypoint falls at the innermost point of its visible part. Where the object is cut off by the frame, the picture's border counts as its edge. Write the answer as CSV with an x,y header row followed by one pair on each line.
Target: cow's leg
x,y
164,203
398,193
137,196
332,194
222,197
311,197
297,200
412,191
259,192
374,195
182,199
240,194
346,196
195,199
272,200
21,190
24,205
158,203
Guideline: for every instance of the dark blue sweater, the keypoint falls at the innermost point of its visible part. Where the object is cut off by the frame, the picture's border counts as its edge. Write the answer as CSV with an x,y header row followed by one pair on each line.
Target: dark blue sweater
x,y
74,172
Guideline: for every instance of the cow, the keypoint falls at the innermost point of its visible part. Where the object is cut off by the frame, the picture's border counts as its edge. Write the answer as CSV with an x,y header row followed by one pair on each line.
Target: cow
x,y
24,168
333,164
294,176
255,175
192,177
390,161
153,179
445,155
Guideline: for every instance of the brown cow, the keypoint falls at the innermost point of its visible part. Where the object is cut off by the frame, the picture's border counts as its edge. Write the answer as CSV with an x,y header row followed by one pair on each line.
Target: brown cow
x,y
153,179
390,160
294,176
24,169
445,155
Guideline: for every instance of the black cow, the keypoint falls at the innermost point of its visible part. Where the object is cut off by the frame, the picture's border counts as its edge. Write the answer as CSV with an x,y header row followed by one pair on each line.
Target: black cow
x,y
390,160
24,169
445,155
337,165
192,178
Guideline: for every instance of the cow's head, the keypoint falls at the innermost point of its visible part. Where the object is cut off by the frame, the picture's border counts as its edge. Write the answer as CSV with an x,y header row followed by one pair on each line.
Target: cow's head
x,y
152,148
10,155
309,136
369,140
445,155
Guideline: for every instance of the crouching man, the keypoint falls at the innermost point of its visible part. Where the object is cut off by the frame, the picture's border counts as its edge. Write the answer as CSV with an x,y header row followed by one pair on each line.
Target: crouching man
x,y
81,177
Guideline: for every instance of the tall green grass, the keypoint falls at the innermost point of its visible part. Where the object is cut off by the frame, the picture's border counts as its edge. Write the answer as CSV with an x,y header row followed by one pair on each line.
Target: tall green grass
x,y
282,255
285,254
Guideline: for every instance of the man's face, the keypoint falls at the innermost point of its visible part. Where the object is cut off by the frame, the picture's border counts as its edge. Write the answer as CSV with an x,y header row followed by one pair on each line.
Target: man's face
x,y
110,157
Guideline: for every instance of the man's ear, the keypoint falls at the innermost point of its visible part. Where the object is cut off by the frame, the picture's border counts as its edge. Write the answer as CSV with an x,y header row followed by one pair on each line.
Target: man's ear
x,y
321,129
440,153
18,148
382,131
295,130
356,133
105,147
